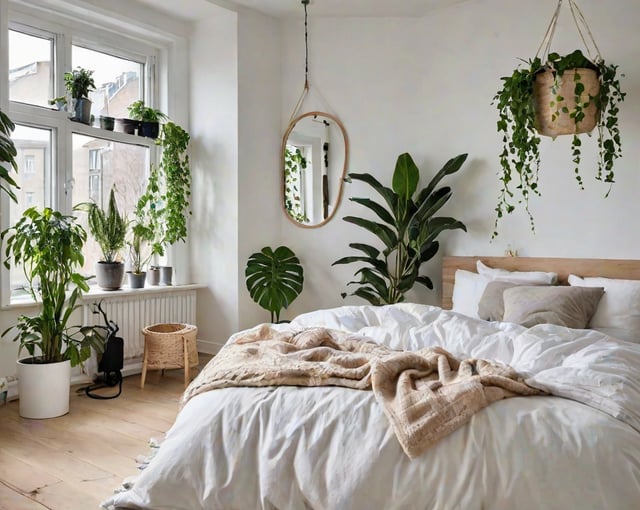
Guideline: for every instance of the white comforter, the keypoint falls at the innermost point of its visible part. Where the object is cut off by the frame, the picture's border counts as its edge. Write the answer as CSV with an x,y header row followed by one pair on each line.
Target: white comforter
x,y
332,448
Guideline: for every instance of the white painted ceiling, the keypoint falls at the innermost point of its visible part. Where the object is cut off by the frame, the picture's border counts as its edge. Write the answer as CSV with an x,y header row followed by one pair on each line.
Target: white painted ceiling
x,y
194,9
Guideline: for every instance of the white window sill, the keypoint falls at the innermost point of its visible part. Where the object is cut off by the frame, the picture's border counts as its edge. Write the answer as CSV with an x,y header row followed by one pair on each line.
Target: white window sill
x,y
96,293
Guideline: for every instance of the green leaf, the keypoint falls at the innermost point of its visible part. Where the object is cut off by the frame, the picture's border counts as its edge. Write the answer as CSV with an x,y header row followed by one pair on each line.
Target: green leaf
x,y
384,233
274,279
405,177
380,211
450,167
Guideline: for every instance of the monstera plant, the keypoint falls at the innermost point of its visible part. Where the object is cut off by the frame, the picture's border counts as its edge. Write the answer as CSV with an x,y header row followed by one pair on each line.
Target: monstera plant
x,y
408,231
8,154
274,279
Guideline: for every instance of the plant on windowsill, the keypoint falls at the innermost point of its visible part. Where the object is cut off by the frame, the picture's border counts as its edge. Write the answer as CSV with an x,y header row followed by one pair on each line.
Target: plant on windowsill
x,y
60,102
79,83
109,229
408,231
148,117
48,247
274,279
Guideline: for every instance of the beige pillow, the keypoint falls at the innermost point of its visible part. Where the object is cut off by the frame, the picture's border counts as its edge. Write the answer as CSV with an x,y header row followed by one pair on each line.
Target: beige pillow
x,y
491,305
571,307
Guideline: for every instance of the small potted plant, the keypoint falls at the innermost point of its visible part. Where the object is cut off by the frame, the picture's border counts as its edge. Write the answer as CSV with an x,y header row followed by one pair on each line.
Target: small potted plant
x,y
140,252
79,83
47,246
149,119
109,229
60,102
563,94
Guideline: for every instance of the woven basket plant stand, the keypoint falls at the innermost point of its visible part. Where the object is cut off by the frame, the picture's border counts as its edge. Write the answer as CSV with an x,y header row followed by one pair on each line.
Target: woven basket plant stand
x,y
169,346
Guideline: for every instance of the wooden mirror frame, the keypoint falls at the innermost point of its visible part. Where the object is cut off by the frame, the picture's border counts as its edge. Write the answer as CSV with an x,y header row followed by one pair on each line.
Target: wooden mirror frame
x,y
292,124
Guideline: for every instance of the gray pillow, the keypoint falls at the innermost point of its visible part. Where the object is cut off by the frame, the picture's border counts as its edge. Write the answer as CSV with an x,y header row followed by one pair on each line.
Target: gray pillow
x,y
562,305
491,304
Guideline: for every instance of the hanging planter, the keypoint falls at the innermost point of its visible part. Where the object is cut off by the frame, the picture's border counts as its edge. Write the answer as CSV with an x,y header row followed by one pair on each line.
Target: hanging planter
x,y
552,96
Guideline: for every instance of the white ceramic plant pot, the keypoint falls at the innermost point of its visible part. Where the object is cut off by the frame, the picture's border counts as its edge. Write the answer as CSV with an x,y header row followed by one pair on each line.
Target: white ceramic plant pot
x,y
43,389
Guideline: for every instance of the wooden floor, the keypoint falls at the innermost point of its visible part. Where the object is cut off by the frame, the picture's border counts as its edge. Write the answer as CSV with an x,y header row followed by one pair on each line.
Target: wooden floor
x,y
76,461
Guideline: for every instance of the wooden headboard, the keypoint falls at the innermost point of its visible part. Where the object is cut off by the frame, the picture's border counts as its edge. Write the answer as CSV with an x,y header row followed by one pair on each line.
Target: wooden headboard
x,y
607,268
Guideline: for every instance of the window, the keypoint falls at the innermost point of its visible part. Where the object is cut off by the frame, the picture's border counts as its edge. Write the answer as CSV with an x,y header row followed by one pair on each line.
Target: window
x,y
29,166
100,164
31,76
63,163
119,82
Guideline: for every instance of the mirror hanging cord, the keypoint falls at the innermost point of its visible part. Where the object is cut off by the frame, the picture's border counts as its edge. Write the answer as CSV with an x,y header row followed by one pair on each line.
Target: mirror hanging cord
x,y
305,89
581,24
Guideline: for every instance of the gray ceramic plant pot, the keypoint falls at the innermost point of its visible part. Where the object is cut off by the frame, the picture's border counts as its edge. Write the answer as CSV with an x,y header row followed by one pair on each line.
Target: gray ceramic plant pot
x,y
136,280
109,275
153,276
82,111
166,274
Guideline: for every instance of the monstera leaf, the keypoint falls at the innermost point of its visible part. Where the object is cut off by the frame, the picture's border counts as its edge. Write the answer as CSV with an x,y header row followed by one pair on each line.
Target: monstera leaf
x,y
274,279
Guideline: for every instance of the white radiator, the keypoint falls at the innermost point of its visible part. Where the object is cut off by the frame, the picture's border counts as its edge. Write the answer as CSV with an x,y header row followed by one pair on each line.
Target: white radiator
x,y
133,312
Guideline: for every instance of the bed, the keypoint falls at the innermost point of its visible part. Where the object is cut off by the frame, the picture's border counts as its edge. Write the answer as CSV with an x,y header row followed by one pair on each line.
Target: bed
x,y
327,447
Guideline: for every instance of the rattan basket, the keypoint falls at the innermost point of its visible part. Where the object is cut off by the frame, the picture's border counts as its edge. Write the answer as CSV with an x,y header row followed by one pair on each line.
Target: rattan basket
x,y
170,346
546,106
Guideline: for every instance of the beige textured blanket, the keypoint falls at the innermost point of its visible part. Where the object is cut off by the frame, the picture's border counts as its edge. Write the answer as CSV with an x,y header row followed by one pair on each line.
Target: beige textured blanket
x,y
426,394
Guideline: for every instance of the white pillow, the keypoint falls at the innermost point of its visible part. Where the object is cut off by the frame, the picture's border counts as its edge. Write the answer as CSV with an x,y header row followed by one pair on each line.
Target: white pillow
x,y
468,286
535,277
618,313
467,291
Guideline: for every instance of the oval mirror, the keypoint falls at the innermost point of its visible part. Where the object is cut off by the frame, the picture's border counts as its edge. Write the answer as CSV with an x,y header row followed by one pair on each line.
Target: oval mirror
x,y
315,151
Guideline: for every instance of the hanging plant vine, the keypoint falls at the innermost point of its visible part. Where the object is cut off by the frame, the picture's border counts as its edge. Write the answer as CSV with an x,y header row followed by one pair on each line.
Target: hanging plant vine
x,y
517,122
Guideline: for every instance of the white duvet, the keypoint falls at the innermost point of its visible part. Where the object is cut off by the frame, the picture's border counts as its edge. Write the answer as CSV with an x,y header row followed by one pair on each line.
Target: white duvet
x,y
332,448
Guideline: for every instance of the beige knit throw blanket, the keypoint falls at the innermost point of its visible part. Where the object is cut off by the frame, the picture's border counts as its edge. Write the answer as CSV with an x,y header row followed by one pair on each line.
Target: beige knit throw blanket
x,y
425,394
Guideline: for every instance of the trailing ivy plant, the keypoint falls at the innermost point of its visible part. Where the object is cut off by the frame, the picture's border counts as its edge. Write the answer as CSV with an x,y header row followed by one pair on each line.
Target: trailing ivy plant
x,y
274,279
520,156
294,162
176,173
408,231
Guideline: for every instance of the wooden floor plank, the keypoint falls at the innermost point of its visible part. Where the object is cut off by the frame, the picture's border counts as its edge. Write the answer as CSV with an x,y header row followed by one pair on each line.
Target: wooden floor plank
x,y
75,461
12,500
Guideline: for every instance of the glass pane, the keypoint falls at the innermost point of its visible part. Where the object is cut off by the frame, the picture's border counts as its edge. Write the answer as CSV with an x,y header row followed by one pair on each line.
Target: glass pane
x,y
118,81
34,165
99,165
30,72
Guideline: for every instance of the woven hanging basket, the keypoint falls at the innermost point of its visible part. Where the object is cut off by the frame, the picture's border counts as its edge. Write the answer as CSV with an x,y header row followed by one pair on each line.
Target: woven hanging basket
x,y
546,107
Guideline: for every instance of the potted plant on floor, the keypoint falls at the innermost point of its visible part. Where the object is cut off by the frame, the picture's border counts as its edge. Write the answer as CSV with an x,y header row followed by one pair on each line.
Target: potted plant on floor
x,y
149,118
48,247
274,278
109,229
409,230
79,83
8,155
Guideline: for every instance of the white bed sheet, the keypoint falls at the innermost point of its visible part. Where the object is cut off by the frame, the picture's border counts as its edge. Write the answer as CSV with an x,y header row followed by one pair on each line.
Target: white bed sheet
x,y
332,448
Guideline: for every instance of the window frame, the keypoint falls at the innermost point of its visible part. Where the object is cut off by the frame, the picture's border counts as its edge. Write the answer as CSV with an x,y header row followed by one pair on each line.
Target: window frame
x,y
65,34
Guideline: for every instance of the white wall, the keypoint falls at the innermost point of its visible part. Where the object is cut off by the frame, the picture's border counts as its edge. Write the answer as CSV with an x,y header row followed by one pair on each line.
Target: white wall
x,y
235,108
425,86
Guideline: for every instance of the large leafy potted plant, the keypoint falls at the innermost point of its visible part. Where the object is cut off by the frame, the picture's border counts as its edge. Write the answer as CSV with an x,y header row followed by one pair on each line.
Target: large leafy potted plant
x,y
408,231
109,229
8,155
48,247
274,279
79,83
148,117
